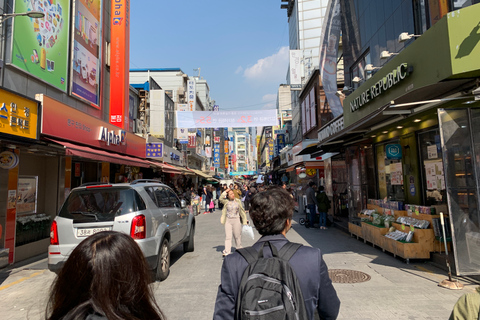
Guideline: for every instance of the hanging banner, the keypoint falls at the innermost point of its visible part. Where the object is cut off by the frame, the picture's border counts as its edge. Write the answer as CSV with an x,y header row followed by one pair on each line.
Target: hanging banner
x,y
296,57
208,152
234,119
40,45
182,135
119,62
332,26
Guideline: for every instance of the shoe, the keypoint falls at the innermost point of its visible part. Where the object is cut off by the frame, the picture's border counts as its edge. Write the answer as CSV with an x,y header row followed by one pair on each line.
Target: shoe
x,y
224,254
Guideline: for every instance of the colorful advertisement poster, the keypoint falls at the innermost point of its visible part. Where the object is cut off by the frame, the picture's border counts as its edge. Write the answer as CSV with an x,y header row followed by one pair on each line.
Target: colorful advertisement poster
x,y
40,45
85,73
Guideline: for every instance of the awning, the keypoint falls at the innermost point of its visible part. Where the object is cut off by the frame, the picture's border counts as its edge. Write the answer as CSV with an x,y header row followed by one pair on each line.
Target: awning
x,y
100,155
314,165
165,167
201,174
309,150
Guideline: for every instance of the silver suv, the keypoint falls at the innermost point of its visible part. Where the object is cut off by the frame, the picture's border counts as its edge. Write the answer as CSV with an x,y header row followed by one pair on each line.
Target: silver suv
x,y
147,210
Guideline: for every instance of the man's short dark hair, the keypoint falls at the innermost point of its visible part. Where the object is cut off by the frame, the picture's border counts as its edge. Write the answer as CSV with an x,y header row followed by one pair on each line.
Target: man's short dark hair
x,y
311,183
270,210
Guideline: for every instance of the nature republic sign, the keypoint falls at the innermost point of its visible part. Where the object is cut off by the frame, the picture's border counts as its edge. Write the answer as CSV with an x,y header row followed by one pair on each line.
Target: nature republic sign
x,y
382,85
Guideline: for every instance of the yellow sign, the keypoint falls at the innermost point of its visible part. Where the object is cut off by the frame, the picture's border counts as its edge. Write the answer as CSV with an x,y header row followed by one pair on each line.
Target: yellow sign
x,y
18,115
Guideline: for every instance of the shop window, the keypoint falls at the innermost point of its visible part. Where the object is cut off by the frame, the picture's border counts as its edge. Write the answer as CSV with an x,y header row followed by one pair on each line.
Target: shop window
x,y
358,71
459,4
390,172
431,160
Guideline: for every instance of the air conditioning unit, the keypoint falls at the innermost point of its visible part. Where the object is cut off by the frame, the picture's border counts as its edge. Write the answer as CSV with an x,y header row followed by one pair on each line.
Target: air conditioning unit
x,y
181,91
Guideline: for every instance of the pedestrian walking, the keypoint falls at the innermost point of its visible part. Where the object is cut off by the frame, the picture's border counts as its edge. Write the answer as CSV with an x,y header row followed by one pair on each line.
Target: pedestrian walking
x,y
311,202
323,203
208,200
233,216
467,307
248,194
271,212
105,277
237,191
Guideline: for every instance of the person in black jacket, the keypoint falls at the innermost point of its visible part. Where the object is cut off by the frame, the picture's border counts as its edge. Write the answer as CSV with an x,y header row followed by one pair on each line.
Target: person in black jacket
x,y
271,212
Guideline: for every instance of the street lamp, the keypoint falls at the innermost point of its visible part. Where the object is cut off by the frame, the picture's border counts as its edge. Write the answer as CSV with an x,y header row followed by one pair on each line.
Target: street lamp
x,y
4,17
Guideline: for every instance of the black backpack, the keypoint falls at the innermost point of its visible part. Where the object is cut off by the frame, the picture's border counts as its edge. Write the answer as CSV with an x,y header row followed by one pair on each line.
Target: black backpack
x,y
269,288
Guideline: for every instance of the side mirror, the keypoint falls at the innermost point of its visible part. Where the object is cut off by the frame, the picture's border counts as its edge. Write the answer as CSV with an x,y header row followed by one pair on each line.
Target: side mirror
x,y
183,204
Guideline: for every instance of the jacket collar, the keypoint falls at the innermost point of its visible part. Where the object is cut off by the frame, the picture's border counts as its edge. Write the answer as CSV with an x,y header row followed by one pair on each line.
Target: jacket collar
x,y
272,238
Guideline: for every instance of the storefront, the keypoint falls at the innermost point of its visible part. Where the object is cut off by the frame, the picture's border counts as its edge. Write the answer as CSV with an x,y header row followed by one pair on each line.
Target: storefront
x,y
409,140
25,195
93,150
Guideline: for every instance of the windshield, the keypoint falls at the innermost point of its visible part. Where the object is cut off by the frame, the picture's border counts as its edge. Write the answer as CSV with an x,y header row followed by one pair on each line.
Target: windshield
x,y
101,204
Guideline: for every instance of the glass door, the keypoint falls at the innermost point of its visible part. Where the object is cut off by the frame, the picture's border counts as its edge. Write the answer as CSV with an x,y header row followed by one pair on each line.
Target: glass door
x,y
460,144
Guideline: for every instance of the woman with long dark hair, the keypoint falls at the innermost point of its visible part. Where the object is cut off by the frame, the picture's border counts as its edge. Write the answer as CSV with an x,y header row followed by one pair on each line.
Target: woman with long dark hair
x,y
105,277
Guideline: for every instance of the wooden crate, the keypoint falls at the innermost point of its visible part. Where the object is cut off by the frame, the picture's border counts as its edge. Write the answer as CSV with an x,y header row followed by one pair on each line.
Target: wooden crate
x,y
355,229
373,234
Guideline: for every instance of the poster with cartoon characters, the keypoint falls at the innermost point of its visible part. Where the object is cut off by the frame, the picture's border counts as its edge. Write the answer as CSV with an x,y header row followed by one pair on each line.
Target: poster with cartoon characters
x,y
86,50
40,46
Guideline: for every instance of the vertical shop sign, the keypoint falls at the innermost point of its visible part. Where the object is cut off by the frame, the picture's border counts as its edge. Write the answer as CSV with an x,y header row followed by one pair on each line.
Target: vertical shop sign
x,y
192,95
119,61
280,142
40,45
270,149
86,61
216,155
192,140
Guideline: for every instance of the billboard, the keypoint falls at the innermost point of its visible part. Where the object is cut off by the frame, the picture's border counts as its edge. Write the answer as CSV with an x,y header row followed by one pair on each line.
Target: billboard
x,y
119,61
40,46
86,56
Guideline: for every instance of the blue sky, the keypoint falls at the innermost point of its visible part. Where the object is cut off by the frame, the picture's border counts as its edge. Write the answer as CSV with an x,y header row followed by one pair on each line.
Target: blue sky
x,y
240,46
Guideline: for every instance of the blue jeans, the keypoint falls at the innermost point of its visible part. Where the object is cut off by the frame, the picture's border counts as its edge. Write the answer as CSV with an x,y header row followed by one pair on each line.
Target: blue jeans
x,y
323,219
313,211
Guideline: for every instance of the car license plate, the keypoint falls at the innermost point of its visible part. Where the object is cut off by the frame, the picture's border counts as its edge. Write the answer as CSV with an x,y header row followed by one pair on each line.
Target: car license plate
x,y
85,232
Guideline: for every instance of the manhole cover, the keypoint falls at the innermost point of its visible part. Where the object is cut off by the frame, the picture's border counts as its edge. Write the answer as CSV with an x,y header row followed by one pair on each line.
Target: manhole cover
x,y
347,276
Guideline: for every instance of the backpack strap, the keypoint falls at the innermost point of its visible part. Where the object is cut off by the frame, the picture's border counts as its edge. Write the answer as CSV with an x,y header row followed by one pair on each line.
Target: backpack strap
x,y
249,254
288,250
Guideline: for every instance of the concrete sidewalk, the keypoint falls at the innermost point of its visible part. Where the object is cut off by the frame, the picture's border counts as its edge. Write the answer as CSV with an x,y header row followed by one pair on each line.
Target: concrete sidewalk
x,y
396,290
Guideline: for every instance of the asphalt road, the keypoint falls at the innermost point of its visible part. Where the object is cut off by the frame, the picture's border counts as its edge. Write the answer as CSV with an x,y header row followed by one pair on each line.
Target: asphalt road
x,y
396,290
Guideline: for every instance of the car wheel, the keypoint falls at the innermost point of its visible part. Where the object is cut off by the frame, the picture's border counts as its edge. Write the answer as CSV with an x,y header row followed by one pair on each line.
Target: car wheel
x,y
163,266
189,245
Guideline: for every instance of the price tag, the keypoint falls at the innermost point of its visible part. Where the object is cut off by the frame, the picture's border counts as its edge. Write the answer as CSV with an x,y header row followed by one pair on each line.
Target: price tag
x,y
403,227
412,228
417,212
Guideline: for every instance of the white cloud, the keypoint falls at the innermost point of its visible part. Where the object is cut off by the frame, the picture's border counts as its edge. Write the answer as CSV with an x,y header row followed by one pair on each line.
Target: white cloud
x,y
272,68
270,101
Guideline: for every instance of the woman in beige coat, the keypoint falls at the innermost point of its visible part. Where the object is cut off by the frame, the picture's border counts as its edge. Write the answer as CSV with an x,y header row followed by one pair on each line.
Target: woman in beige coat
x,y
233,216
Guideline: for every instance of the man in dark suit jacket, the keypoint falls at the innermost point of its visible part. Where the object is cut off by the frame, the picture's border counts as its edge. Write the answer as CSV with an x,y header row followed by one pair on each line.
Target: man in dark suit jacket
x,y
271,212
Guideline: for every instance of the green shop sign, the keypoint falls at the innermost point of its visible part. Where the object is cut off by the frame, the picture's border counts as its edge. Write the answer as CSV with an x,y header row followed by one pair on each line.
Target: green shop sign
x,y
382,85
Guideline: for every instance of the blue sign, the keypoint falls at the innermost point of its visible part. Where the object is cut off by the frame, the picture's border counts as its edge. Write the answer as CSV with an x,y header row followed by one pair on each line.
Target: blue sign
x,y
393,151
280,143
243,173
154,150
216,108
216,155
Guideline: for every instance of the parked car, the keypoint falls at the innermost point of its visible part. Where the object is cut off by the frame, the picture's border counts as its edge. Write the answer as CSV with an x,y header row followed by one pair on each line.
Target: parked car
x,y
147,210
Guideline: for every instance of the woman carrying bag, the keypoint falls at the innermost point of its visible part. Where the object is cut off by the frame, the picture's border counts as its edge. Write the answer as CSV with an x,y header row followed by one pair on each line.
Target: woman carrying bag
x,y
233,216
208,200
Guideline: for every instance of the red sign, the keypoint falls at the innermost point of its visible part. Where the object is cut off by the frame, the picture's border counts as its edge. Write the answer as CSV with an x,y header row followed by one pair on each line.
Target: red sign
x,y
192,138
67,123
217,139
119,62
77,169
